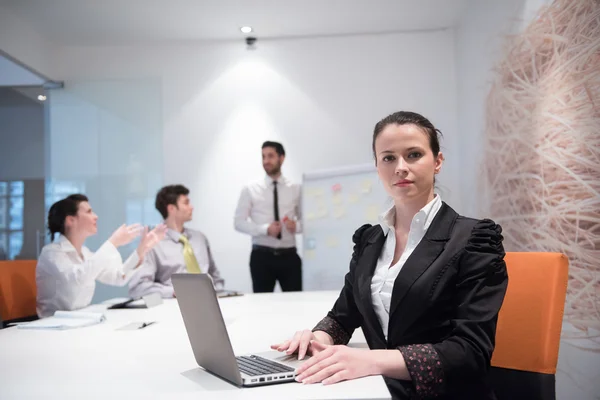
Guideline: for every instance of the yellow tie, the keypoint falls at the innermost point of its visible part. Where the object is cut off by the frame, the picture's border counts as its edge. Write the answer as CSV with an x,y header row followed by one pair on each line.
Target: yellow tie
x,y
188,256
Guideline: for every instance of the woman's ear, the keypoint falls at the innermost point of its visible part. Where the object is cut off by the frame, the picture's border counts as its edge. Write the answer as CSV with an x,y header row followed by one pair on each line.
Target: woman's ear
x,y
69,221
439,160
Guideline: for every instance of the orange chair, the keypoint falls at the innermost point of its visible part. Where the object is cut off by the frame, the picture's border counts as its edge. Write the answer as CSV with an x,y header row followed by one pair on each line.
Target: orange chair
x,y
17,291
529,325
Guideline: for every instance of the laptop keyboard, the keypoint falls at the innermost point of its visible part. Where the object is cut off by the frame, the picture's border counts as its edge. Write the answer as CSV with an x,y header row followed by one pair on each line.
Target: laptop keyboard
x,y
255,365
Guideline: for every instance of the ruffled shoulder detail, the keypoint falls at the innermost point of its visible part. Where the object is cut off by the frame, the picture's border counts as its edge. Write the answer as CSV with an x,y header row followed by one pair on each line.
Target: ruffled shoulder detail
x,y
486,237
358,238
358,234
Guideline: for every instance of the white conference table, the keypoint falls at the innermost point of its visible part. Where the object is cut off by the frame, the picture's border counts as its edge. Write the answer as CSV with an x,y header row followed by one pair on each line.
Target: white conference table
x,y
157,362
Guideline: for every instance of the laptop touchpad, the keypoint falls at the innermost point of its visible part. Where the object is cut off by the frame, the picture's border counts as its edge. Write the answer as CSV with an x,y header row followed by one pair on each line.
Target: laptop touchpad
x,y
291,360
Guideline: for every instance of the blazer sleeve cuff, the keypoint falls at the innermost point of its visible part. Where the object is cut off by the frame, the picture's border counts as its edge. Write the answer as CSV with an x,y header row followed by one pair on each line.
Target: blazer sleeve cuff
x,y
425,369
333,329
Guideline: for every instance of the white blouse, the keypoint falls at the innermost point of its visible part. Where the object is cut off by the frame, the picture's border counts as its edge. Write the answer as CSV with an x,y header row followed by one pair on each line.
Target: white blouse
x,y
65,281
385,274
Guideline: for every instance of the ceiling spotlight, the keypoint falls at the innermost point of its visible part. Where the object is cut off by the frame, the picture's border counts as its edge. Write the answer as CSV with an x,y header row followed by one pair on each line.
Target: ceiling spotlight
x,y
246,29
41,97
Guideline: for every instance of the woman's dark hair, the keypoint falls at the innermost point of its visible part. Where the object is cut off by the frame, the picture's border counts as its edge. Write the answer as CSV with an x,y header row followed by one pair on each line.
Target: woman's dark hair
x,y
405,118
169,195
59,212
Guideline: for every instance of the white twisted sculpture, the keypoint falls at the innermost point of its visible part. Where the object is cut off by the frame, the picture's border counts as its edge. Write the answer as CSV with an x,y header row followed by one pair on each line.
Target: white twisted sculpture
x,y
542,155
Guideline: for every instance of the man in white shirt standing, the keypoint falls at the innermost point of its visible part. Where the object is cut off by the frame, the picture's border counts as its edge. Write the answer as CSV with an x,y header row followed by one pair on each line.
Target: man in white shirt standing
x,y
182,250
269,210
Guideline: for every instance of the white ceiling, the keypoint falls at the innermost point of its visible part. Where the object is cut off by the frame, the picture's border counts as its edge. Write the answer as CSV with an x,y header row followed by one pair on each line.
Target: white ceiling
x,y
109,22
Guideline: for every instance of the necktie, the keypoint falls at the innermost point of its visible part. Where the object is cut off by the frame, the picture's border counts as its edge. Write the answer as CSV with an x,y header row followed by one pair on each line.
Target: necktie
x,y
276,205
191,263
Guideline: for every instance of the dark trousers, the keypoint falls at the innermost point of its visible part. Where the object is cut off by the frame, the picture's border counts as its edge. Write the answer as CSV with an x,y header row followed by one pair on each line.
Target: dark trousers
x,y
268,265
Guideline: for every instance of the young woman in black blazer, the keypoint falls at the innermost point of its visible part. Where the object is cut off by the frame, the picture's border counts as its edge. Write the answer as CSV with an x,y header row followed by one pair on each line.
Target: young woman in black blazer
x,y
425,285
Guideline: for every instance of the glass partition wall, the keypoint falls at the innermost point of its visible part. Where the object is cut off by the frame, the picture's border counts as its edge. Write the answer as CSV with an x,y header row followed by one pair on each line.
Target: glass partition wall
x,y
104,139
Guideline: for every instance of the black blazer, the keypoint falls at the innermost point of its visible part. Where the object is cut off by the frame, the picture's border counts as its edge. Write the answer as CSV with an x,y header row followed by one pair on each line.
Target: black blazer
x,y
444,306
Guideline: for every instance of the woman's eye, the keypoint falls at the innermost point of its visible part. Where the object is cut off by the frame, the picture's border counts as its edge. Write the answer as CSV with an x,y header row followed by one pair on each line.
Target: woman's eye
x,y
389,158
414,154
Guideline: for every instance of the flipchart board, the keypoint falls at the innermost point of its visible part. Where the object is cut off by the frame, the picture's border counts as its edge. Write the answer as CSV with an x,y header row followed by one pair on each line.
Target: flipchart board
x,y
335,203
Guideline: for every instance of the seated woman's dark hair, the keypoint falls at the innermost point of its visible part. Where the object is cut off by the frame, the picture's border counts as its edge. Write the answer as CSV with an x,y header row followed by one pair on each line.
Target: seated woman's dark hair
x,y
59,212
405,118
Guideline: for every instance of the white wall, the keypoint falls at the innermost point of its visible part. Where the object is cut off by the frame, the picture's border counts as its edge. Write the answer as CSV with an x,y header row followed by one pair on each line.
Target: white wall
x,y
319,97
479,40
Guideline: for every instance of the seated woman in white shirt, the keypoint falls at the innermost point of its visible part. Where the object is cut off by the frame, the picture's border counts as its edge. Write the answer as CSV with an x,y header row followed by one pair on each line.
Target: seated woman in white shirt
x,y
67,271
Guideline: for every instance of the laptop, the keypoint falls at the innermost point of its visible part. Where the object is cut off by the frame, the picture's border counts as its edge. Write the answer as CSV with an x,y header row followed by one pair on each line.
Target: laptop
x,y
210,342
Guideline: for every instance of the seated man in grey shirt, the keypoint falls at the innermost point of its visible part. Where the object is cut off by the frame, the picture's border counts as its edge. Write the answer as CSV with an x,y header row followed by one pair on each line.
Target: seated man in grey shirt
x,y
182,249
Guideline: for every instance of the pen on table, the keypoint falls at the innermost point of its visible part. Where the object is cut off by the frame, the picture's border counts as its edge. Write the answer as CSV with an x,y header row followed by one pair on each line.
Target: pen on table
x,y
145,324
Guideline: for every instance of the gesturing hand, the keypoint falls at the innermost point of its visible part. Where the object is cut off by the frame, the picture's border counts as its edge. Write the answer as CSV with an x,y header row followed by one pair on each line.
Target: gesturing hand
x,y
150,239
125,234
331,364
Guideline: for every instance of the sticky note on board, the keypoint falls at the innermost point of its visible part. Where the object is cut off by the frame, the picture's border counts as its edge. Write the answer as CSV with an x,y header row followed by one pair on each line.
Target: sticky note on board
x,y
337,199
372,213
311,216
339,212
322,213
366,186
337,187
353,198
332,241
311,192
309,254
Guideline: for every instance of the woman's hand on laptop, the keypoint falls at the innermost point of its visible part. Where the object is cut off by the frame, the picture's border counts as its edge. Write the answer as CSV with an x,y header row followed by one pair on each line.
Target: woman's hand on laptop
x,y
301,343
332,364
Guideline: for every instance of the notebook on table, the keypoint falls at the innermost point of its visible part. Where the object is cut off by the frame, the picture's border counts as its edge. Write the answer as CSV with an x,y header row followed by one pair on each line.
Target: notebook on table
x,y
66,320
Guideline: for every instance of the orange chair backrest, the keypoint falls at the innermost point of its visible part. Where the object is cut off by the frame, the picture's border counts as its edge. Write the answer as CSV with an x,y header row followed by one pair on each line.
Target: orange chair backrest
x,y
17,289
530,320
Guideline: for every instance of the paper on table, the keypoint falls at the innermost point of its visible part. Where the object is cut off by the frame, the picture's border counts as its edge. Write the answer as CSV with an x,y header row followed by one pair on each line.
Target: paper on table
x,y
66,320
